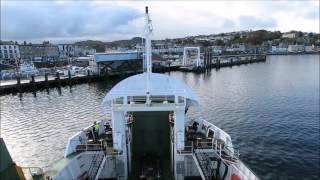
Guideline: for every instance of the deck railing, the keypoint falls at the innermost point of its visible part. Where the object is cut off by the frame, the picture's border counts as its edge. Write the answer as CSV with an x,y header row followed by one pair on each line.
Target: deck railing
x,y
214,146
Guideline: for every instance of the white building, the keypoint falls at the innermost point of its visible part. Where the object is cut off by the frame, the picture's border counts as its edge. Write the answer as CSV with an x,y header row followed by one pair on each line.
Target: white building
x,y
9,52
275,49
237,47
310,48
295,48
289,35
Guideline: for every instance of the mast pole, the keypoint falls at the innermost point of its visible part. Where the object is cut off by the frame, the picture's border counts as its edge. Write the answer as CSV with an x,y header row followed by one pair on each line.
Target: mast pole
x,y
148,53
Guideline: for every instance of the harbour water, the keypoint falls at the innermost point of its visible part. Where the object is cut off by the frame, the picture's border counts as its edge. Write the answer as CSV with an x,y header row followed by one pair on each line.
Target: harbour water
x,y
271,111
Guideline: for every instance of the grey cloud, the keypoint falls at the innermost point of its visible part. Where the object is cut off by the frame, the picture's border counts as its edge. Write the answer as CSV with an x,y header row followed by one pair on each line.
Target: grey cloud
x,y
40,20
254,23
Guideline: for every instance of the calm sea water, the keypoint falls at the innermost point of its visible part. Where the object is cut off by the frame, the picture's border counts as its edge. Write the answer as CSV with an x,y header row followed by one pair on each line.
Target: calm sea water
x,y
271,111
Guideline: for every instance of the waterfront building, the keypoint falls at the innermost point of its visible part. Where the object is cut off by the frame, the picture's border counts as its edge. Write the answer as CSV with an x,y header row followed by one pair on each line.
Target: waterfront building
x,y
39,52
310,49
236,47
9,52
217,49
66,51
70,50
296,48
278,50
83,51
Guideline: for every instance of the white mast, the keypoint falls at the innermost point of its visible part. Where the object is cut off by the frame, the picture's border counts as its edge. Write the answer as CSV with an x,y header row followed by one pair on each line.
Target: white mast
x,y
148,53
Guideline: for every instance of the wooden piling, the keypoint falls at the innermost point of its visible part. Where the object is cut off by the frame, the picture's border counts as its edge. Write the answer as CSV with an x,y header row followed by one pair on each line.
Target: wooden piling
x,y
88,76
58,79
33,84
218,63
46,80
69,77
205,59
18,83
210,58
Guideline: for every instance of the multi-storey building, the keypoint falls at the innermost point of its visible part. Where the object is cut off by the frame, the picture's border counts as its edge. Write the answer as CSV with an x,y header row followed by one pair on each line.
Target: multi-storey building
x,y
9,52
71,50
66,51
39,52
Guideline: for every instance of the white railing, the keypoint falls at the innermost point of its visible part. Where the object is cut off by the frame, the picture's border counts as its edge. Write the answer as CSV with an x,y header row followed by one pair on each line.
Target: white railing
x,y
218,134
138,96
89,145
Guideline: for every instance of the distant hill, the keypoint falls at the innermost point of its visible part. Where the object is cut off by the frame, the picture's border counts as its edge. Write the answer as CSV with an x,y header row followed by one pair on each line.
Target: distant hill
x,y
125,43
100,46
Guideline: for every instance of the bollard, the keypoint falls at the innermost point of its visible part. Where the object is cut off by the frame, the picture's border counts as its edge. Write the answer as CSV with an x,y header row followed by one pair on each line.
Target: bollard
x,y
58,79
46,80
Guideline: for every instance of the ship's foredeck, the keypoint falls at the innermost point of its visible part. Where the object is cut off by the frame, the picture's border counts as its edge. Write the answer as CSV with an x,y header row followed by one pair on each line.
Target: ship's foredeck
x,y
151,145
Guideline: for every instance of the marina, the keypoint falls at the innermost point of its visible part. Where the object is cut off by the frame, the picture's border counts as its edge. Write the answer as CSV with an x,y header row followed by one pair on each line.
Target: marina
x,y
34,83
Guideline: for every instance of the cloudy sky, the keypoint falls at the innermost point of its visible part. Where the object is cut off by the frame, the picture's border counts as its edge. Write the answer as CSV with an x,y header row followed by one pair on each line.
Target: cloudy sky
x,y
69,21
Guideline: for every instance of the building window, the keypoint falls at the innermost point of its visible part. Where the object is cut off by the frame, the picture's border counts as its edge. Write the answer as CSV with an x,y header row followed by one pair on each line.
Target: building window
x,y
9,47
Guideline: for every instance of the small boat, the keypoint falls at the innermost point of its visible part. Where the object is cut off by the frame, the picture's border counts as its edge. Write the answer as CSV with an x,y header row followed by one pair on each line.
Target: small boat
x,y
28,69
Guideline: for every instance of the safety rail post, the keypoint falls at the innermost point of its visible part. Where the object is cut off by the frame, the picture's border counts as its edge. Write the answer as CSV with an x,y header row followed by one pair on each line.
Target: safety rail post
x,y
212,143
191,146
216,145
220,149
